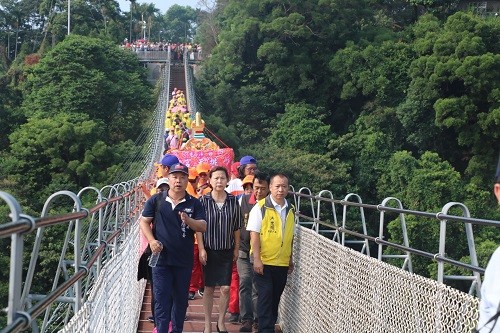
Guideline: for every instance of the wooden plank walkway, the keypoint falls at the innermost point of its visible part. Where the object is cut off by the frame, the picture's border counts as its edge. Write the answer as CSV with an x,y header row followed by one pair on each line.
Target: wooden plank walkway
x,y
195,317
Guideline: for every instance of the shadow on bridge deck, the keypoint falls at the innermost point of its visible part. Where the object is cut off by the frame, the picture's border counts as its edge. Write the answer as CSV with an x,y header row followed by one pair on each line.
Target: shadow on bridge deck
x,y
195,317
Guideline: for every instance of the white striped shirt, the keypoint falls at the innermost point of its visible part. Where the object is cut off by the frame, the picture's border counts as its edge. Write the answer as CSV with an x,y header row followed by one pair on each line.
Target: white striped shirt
x,y
221,222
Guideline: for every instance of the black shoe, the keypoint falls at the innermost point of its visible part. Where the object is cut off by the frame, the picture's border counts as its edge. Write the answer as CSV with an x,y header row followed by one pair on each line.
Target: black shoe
x,y
200,292
234,318
151,319
191,295
247,326
217,326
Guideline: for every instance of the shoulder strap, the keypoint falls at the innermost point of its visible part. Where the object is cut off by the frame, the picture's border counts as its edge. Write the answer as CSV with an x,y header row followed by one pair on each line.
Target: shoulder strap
x,y
160,197
263,209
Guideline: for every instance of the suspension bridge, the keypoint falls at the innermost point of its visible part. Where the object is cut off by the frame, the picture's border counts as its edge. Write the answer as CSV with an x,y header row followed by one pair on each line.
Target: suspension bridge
x,y
343,279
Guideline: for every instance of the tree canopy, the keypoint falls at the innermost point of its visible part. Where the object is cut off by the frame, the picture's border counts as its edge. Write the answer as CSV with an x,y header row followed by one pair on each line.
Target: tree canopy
x,y
393,98
81,103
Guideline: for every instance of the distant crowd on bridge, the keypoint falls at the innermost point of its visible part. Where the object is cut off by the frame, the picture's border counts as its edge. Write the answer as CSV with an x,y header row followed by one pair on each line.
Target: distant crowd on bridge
x,y
178,122
194,51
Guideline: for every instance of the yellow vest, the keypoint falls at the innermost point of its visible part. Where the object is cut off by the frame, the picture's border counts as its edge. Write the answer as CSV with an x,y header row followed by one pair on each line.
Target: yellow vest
x,y
275,246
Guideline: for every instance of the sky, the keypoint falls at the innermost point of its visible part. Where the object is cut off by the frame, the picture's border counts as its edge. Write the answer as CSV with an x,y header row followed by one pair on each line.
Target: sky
x,y
162,5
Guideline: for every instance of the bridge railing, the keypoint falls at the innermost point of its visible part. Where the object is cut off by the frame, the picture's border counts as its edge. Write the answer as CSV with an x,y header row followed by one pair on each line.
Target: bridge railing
x,y
334,288
330,280
338,287
153,55
82,260
190,93
330,217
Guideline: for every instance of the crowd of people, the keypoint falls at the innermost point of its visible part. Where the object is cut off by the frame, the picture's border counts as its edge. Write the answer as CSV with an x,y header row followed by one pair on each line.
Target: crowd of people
x,y
239,228
177,50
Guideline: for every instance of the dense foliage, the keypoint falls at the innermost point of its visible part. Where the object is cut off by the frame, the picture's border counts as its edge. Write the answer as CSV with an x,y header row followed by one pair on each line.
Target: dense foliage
x,y
80,105
378,98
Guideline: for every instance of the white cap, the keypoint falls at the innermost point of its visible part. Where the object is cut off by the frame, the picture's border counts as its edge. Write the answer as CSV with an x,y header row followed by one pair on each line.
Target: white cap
x,y
161,181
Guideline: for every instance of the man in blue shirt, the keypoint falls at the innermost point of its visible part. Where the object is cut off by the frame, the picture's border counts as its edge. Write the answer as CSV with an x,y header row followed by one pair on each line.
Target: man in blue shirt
x,y
178,218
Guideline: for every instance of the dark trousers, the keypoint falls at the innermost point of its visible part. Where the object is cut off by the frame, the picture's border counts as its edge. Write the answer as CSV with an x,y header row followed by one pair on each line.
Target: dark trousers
x,y
248,291
150,280
270,286
171,288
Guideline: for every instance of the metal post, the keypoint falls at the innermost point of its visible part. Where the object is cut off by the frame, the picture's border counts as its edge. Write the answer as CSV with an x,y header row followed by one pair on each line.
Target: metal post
x,y
77,262
100,236
16,260
441,251
69,16
16,267
130,28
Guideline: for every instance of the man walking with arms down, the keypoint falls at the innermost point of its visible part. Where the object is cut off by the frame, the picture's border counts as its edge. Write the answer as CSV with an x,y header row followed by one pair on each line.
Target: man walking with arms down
x,y
178,218
271,225
248,298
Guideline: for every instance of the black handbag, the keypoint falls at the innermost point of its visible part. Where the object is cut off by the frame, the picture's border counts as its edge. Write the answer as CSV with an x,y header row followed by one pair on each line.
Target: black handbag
x,y
143,269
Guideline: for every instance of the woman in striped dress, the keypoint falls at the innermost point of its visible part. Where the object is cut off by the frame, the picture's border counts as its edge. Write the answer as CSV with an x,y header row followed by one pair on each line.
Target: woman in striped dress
x,y
219,245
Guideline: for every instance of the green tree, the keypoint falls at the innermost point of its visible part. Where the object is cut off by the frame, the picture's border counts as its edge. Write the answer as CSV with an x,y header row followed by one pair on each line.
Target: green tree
x,y
277,54
180,23
302,127
305,169
83,101
366,147
453,93
87,75
424,184
437,7
226,133
10,99
209,25
47,154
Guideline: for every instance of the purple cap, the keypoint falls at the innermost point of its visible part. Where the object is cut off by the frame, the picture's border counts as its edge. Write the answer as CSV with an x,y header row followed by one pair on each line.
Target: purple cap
x,y
248,160
169,160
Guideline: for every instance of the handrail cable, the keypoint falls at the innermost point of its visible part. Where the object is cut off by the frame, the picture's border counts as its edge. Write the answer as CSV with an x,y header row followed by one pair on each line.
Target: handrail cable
x,y
212,134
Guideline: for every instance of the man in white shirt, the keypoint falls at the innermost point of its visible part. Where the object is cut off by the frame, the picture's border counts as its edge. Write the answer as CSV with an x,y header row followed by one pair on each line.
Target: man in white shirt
x,y
489,321
272,225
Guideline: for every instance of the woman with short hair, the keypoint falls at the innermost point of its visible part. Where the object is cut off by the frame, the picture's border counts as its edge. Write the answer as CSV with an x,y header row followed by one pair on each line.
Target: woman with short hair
x,y
218,247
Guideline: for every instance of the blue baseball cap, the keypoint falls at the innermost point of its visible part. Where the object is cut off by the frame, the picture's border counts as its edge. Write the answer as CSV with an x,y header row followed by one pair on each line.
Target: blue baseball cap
x,y
169,160
248,160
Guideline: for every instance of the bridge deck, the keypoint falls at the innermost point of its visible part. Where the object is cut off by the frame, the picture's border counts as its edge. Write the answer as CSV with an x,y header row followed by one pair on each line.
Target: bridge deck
x,y
195,317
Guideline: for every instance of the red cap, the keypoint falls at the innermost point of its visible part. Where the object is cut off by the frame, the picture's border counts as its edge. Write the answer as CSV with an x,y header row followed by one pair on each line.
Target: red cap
x,y
234,168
